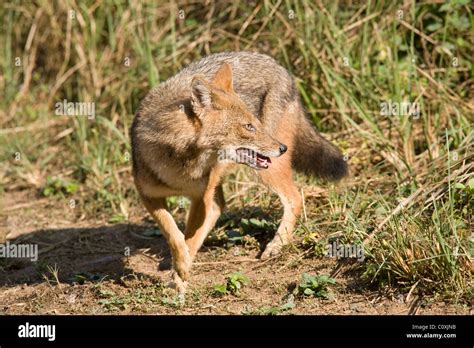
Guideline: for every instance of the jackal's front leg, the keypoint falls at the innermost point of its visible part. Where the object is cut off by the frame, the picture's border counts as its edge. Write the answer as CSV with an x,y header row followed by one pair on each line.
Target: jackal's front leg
x,y
179,250
279,178
205,210
202,217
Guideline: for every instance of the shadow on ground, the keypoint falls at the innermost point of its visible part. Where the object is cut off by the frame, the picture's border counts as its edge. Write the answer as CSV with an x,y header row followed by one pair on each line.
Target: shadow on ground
x,y
109,251
84,254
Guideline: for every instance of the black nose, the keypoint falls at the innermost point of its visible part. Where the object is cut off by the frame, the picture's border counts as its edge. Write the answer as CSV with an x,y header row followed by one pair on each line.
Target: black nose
x,y
283,148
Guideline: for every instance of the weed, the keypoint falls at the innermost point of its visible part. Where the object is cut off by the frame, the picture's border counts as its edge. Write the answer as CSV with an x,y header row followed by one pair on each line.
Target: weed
x,y
235,282
57,186
314,286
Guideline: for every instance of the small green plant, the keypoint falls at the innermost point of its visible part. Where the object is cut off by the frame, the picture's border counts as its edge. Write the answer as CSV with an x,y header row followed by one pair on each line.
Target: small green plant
x,y
315,286
59,187
235,282
220,289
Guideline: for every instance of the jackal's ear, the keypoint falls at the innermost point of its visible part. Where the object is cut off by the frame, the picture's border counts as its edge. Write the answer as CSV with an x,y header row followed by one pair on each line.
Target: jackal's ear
x,y
200,94
223,78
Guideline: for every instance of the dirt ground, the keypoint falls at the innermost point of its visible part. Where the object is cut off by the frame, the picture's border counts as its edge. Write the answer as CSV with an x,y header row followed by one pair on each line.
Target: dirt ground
x,y
93,267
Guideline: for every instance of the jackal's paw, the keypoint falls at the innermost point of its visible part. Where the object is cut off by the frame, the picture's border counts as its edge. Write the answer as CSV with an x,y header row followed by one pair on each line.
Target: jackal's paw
x,y
272,249
178,284
182,265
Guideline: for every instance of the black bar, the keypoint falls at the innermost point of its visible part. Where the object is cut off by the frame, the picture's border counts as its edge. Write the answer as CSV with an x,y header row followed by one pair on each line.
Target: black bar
x,y
292,331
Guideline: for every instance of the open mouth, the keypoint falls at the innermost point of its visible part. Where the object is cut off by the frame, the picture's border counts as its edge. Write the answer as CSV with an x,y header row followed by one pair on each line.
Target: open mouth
x,y
252,158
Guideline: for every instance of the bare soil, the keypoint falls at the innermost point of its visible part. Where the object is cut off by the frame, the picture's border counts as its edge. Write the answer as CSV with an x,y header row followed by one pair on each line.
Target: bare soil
x,y
97,275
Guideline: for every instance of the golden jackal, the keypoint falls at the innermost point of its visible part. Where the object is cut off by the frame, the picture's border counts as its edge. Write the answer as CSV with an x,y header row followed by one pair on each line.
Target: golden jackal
x,y
235,107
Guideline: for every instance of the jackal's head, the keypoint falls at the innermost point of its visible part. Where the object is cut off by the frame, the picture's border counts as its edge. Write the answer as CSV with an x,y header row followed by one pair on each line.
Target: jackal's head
x,y
226,124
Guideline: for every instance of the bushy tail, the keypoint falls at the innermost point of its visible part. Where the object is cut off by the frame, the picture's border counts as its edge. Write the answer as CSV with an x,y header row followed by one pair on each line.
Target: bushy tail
x,y
314,155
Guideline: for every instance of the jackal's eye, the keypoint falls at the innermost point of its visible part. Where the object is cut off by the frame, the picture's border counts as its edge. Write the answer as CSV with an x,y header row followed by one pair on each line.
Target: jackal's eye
x,y
250,127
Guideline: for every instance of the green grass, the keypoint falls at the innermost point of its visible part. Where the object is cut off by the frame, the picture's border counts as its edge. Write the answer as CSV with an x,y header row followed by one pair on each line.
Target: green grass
x,y
348,58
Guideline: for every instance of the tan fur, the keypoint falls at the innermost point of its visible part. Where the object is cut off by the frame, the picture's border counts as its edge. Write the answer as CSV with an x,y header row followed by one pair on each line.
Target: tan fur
x,y
224,102
205,211
279,178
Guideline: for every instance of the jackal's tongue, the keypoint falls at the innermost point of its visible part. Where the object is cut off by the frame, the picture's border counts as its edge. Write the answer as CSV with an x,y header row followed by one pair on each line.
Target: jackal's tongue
x,y
263,161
